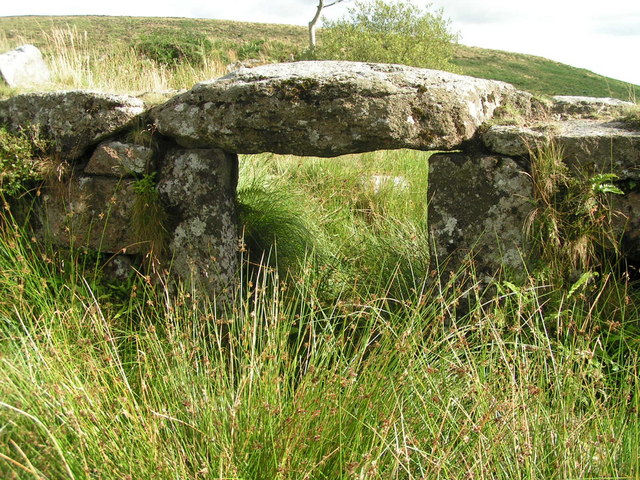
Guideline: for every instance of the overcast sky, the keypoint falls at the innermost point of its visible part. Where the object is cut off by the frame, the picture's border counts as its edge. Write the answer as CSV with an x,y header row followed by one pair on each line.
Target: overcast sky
x,y
602,36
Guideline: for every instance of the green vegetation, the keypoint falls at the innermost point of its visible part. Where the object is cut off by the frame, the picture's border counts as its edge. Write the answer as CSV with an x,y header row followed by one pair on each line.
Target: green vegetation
x,y
539,75
389,32
342,353
20,160
361,217
96,52
338,371
173,47
632,117
148,217
572,224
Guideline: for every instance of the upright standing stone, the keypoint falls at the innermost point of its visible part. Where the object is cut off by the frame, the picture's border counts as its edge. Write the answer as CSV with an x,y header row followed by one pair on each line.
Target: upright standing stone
x,y
199,187
478,205
24,67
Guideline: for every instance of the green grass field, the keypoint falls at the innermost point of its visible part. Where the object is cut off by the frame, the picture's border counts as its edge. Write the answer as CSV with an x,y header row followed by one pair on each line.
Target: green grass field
x,y
344,353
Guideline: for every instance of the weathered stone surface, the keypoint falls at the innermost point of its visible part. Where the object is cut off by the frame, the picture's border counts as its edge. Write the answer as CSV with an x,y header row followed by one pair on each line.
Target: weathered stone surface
x,y
71,120
588,107
198,187
249,63
91,212
120,159
478,204
331,108
590,145
24,67
118,268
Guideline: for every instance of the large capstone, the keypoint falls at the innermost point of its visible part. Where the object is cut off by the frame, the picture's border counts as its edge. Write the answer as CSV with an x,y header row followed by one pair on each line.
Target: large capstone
x,y
72,121
331,108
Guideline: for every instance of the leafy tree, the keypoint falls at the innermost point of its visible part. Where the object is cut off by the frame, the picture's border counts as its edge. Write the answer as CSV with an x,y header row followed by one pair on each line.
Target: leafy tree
x,y
390,32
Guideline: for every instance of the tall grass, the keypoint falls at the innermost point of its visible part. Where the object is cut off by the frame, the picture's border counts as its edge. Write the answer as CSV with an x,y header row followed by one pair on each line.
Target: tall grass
x,y
281,386
342,354
78,63
364,217
339,368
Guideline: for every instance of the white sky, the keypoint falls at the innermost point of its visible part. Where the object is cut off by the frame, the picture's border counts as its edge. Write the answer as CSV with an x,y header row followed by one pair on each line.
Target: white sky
x,y
602,36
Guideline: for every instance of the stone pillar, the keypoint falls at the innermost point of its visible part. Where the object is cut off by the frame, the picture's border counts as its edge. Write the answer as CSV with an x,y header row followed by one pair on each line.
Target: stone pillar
x,y
198,188
478,205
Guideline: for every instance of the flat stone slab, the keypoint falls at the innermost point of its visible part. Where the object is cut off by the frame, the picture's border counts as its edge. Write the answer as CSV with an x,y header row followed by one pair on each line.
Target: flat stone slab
x,y
331,108
590,107
71,120
600,146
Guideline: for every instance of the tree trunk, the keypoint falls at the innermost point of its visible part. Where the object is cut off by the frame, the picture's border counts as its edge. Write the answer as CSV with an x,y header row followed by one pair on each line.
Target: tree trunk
x,y
312,25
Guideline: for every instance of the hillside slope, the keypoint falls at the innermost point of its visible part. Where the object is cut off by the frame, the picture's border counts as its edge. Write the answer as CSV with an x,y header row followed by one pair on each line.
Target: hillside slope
x,y
540,75
281,42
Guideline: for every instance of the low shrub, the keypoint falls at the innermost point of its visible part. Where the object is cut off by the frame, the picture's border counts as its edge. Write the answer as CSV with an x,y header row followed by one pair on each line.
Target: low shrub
x,y
251,49
20,159
173,47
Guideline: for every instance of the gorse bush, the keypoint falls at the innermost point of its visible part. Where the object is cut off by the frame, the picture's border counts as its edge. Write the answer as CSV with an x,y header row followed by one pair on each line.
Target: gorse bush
x,y
389,32
173,47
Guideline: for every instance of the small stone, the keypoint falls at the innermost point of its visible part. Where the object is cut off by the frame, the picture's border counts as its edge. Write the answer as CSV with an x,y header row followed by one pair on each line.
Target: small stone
x,y
120,159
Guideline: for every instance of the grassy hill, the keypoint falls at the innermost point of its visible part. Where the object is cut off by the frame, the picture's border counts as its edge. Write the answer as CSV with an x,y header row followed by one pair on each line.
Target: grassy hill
x,y
270,42
540,75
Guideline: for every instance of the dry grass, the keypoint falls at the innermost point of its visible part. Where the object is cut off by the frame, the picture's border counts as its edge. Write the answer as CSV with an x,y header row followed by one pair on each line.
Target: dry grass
x,y
78,63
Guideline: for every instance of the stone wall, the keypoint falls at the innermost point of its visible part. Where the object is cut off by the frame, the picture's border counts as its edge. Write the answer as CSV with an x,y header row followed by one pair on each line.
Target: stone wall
x,y
480,193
